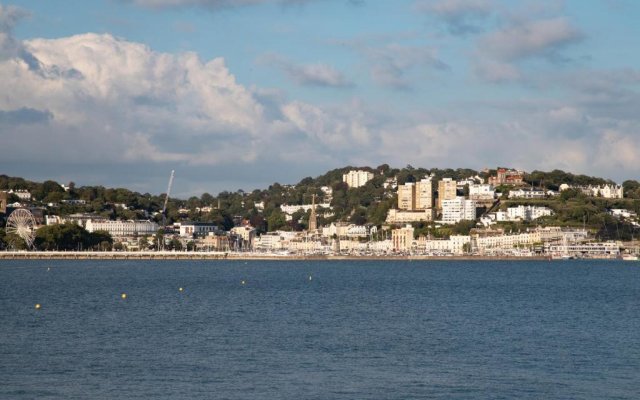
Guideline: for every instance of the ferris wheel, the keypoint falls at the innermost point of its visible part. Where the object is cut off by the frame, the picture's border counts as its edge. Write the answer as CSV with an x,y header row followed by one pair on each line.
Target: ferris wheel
x,y
22,223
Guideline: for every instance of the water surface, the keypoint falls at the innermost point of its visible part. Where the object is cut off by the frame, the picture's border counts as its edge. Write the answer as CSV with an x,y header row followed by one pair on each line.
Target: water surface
x,y
355,330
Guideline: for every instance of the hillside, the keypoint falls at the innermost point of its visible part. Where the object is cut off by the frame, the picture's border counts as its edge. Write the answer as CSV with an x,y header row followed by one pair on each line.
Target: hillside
x,y
368,204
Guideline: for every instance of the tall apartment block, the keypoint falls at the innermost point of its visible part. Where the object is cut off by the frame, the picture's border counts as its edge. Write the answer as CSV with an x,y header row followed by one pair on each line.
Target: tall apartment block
x,y
446,190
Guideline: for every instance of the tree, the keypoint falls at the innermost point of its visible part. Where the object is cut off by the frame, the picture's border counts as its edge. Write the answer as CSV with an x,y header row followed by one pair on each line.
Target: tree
x,y
66,236
276,220
143,243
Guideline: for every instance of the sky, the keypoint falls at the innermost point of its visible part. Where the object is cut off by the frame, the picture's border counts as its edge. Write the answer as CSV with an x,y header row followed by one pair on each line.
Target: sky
x,y
239,94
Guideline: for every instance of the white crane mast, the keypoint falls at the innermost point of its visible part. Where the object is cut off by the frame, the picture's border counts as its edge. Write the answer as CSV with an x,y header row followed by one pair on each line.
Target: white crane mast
x,y
166,199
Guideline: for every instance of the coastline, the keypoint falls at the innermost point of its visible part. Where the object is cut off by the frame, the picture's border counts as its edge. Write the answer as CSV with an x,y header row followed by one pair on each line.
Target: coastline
x,y
86,255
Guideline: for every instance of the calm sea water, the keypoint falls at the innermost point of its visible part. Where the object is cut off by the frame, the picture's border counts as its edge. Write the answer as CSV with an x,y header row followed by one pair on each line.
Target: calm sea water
x,y
356,330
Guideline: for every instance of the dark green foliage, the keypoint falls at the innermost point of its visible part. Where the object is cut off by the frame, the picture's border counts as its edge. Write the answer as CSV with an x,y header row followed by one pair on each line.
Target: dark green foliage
x,y
70,237
552,180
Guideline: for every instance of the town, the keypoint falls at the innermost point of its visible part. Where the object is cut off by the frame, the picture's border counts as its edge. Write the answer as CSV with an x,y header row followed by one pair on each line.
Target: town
x,y
364,211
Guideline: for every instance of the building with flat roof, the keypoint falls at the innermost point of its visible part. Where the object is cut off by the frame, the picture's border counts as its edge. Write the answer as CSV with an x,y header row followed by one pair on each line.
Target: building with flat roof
x,y
458,209
356,179
195,229
447,190
123,228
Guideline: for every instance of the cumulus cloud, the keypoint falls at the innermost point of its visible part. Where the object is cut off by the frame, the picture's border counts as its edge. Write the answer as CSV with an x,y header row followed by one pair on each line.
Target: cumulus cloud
x,y
499,52
9,46
308,74
129,104
460,16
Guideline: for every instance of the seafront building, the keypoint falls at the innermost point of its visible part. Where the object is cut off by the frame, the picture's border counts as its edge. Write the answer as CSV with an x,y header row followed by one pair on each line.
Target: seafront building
x,y
346,230
123,228
195,229
454,245
402,238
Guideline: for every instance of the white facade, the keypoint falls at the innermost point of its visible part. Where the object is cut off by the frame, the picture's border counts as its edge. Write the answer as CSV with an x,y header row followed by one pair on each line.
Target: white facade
x,y
594,249
622,213
123,228
23,195
52,220
527,213
290,210
454,245
356,179
604,191
458,209
348,230
191,229
481,192
531,194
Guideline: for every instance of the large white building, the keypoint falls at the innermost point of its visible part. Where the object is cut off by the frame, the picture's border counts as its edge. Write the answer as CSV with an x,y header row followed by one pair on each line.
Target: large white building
x,y
604,191
527,213
454,245
356,179
458,209
481,192
531,194
194,229
123,228
349,230
292,209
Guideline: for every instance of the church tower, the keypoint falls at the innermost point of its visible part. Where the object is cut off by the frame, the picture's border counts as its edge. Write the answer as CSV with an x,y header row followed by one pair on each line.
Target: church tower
x,y
313,220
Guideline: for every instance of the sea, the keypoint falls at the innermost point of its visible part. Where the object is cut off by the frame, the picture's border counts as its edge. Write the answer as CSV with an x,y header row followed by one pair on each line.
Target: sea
x,y
375,329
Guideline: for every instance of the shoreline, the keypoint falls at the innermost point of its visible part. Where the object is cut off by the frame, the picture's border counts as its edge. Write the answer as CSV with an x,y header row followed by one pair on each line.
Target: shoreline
x,y
85,255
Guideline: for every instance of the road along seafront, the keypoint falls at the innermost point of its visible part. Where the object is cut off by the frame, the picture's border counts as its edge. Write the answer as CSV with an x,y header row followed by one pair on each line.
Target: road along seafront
x,y
181,255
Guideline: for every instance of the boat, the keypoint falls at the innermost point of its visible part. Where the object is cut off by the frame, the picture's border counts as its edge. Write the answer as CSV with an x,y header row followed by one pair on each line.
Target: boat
x,y
629,257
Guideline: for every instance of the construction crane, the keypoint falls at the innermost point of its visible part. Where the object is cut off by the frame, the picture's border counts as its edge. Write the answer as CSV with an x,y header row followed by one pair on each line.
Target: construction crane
x,y
166,200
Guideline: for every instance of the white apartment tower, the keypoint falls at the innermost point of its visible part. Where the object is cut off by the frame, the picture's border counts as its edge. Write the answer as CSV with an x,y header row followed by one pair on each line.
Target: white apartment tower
x,y
458,209
356,179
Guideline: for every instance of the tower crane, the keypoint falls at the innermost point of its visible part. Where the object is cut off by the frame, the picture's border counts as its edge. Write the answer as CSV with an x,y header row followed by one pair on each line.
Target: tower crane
x,y
166,200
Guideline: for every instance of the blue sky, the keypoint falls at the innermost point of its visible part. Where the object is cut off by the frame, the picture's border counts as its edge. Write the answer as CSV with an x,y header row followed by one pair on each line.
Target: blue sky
x,y
241,94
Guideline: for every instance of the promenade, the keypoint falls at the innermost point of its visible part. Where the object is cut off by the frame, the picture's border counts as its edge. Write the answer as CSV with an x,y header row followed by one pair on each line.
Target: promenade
x,y
183,255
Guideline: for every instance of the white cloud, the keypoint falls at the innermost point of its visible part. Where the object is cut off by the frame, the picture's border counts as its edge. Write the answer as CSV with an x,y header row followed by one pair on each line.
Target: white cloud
x,y
498,53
